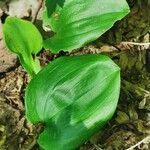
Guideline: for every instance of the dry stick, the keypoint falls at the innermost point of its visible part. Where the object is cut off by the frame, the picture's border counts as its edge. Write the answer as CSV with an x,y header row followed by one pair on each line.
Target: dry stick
x,y
126,43
135,43
37,11
145,140
97,147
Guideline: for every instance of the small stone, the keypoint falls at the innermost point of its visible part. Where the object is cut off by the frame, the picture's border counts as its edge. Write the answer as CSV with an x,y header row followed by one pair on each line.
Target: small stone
x,y
23,8
1,12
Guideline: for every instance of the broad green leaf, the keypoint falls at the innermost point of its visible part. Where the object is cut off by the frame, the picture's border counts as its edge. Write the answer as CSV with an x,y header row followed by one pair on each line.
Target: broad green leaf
x,y
78,22
74,97
23,38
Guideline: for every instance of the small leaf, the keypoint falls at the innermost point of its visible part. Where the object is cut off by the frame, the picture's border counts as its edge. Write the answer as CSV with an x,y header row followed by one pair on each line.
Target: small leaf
x,y
74,97
23,38
122,117
78,22
132,113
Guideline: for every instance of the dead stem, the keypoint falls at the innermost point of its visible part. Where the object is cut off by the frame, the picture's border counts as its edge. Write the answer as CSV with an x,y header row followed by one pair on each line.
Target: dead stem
x,y
136,43
37,11
145,140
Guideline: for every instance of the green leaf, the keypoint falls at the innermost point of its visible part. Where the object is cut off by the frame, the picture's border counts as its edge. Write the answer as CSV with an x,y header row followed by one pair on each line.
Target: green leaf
x,y
79,22
23,38
52,5
74,97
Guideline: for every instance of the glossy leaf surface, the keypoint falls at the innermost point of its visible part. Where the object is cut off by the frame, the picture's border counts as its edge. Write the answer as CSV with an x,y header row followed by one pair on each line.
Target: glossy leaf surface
x,y
77,22
74,97
23,38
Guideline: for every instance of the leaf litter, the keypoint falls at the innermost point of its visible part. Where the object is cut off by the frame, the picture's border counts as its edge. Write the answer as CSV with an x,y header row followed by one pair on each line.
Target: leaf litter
x,y
131,124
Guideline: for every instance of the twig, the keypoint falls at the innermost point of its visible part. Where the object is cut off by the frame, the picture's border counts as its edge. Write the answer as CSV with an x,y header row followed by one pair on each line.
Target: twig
x,y
97,147
145,140
135,43
37,11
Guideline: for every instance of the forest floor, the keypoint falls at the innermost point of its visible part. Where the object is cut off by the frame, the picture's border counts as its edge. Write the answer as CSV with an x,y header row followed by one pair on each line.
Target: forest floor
x,y
124,43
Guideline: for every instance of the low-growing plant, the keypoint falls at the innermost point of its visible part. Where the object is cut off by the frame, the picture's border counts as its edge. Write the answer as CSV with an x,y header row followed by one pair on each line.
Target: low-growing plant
x,y
73,96
23,39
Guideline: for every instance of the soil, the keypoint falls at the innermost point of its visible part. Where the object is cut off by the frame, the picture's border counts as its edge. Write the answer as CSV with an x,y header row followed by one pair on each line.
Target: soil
x,y
131,122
